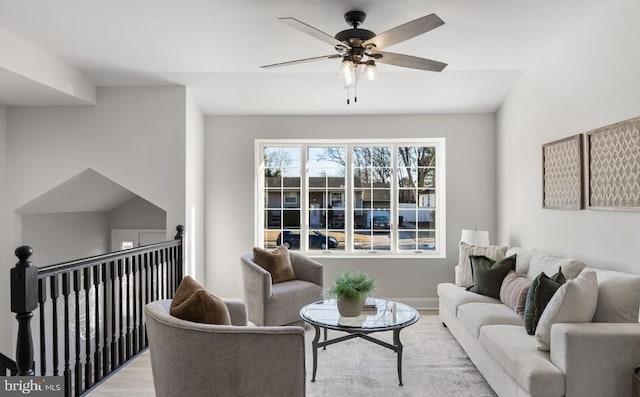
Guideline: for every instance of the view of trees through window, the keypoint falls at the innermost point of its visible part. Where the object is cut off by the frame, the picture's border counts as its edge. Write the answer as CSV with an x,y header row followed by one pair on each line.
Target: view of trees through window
x,y
350,198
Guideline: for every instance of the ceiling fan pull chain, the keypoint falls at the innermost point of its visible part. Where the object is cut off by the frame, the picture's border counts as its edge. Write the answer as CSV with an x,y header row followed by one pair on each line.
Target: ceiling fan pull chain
x,y
355,92
347,95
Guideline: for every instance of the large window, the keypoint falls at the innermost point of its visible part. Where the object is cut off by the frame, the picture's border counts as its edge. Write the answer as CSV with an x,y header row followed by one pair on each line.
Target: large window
x,y
352,198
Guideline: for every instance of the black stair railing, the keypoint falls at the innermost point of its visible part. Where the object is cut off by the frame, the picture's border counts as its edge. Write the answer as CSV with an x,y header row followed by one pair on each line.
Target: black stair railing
x,y
93,306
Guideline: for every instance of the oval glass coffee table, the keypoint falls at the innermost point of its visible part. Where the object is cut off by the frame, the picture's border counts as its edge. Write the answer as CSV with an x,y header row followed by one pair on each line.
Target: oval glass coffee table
x,y
386,316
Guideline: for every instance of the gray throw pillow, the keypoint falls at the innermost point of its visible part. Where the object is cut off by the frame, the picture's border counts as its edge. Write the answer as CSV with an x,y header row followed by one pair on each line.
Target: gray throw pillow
x,y
489,274
540,293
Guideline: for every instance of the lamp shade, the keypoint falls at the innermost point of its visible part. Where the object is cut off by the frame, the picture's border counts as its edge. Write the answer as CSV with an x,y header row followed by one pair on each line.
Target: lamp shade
x,y
475,237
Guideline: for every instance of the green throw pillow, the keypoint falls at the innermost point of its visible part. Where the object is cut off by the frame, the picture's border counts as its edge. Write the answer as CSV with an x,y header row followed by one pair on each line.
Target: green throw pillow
x,y
542,289
488,274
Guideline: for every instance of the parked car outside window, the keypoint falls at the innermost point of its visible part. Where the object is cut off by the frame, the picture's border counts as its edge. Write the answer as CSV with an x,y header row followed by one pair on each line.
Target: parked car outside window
x,y
317,240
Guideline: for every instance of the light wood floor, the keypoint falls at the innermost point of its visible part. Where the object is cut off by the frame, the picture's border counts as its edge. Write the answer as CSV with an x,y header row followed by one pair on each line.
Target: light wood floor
x,y
133,380
136,380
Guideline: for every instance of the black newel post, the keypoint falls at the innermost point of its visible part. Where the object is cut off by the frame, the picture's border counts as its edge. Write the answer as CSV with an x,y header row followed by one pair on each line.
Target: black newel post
x,y
180,236
24,300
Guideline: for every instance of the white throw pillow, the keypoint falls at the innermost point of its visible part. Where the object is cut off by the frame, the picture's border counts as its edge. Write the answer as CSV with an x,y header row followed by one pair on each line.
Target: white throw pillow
x,y
574,302
464,277
618,297
541,262
523,257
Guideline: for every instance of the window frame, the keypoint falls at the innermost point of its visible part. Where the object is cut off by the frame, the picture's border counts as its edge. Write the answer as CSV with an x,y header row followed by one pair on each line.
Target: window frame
x,y
349,252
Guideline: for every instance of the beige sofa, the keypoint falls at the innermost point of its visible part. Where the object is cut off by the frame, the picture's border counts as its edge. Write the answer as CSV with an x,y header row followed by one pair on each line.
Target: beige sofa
x,y
586,359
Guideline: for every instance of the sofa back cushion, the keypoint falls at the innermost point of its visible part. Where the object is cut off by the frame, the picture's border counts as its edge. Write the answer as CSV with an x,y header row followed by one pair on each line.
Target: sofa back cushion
x,y
464,276
541,262
523,258
618,297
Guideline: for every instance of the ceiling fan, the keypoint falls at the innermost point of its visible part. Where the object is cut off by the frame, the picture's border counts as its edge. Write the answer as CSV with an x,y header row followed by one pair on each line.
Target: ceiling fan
x,y
360,48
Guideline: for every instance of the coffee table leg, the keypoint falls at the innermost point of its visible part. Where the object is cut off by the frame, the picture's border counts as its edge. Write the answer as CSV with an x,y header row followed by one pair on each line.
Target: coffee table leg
x,y
325,338
396,341
314,344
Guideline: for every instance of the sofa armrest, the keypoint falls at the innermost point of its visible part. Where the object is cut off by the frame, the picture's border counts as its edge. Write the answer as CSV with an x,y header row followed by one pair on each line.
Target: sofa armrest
x,y
237,312
597,358
307,269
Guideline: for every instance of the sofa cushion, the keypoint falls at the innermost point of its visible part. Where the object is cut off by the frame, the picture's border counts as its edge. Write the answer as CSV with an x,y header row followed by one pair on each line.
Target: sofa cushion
x,y
574,302
517,354
463,274
541,262
618,297
489,274
523,257
452,297
192,303
477,315
276,262
542,289
513,291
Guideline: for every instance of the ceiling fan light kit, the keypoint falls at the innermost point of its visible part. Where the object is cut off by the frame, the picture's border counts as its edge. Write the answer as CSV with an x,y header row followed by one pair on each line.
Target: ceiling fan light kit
x,y
360,48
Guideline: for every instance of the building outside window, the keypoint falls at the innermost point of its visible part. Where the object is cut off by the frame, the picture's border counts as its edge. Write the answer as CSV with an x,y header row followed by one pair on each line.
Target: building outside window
x,y
352,198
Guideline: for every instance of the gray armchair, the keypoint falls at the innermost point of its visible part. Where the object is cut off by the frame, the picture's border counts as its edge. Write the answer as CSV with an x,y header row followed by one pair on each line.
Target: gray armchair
x,y
193,359
280,303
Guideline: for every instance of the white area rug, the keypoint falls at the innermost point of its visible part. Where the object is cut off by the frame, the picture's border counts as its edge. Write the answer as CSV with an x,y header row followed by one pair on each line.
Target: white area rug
x,y
433,364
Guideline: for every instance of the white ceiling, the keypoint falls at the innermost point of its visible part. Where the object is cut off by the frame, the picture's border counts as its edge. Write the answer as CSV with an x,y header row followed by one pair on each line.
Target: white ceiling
x,y
216,47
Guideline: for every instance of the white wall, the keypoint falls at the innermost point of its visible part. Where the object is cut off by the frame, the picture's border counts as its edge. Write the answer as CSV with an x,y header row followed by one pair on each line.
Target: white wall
x,y
137,213
60,237
230,190
587,79
6,259
133,136
194,192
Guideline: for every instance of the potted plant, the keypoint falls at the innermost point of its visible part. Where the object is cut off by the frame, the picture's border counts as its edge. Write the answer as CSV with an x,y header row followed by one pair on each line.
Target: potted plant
x,y
351,290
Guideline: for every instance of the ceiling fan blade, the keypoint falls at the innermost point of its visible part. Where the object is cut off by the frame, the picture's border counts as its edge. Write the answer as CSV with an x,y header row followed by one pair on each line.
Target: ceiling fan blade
x,y
408,61
311,31
405,31
305,60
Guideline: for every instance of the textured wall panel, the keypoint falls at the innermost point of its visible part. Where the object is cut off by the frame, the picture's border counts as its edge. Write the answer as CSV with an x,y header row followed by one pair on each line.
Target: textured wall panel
x,y
562,173
614,166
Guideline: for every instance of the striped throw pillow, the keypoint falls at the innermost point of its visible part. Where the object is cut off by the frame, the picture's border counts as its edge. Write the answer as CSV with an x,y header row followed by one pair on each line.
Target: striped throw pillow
x,y
513,291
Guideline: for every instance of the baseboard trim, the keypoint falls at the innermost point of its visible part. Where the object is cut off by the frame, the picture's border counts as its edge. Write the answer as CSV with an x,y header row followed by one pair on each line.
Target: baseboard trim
x,y
419,303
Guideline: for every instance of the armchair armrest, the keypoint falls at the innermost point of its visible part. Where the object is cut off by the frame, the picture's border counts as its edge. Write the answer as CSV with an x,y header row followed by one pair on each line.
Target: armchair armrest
x,y
597,358
257,281
307,269
237,312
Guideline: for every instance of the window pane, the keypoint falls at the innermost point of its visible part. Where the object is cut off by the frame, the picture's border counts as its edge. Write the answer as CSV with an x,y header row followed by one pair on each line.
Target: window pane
x,y
427,177
273,219
273,198
291,218
426,219
416,240
407,198
427,199
271,238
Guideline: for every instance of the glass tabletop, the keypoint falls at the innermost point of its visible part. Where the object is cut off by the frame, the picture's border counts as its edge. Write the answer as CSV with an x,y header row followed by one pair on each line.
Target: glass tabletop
x,y
386,315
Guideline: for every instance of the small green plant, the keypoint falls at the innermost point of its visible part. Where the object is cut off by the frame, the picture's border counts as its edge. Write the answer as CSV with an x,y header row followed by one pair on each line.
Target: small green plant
x,y
352,286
